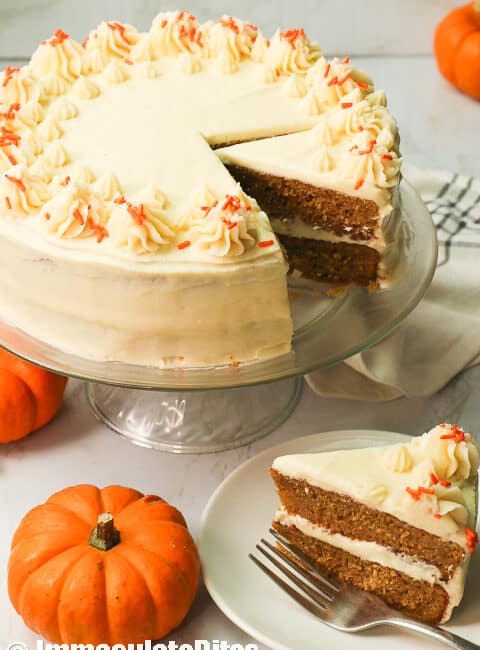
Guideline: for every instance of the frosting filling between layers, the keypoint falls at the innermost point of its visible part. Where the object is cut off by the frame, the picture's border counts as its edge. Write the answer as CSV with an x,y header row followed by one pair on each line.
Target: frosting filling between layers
x,y
376,553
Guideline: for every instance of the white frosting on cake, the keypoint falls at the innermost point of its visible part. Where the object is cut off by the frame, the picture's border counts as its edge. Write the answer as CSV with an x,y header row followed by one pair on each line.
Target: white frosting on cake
x,y
88,130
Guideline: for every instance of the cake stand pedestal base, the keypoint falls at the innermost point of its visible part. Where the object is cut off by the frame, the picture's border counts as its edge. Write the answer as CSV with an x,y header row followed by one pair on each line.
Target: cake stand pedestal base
x,y
195,421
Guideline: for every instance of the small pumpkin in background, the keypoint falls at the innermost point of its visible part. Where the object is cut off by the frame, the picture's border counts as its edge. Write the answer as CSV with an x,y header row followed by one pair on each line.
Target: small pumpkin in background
x,y
457,48
103,566
29,397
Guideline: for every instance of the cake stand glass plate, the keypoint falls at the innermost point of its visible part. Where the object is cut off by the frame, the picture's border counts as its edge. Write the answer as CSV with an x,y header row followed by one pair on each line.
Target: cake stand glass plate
x,y
239,513
326,331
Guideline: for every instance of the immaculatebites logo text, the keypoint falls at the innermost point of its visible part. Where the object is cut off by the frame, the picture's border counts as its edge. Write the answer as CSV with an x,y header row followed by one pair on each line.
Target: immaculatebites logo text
x,y
199,644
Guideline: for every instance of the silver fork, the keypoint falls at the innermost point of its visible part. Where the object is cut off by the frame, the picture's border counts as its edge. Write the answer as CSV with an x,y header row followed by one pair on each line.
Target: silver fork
x,y
340,606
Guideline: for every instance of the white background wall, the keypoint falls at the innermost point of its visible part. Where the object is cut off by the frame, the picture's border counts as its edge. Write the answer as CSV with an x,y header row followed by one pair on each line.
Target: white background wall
x,y
348,26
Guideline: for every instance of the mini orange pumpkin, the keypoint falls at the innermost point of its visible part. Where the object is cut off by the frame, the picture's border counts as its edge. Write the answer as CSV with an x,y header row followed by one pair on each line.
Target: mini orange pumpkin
x,y
103,566
457,48
29,397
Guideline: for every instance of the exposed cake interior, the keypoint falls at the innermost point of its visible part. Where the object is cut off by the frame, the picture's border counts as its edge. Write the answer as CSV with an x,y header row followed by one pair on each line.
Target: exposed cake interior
x,y
398,521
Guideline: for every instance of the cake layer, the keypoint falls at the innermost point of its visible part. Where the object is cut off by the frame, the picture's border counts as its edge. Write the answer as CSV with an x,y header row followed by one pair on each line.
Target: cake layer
x,y
288,199
334,262
416,597
340,514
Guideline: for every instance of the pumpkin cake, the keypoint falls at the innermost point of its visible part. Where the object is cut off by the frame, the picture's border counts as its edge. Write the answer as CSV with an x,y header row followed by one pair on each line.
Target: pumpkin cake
x,y
397,521
142,177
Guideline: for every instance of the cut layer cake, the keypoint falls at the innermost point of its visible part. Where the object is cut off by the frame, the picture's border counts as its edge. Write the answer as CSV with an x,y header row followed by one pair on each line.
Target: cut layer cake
x,y
398,521
151,182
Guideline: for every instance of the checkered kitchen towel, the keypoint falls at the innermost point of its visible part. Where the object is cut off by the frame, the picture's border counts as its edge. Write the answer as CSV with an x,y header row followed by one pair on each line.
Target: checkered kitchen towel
x,y
442,336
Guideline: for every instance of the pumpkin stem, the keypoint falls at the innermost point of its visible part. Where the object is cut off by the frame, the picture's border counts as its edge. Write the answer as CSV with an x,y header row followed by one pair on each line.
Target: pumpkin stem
x,y
104,536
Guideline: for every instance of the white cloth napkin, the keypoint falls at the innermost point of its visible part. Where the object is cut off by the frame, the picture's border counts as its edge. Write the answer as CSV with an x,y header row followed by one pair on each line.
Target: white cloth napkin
x,y
442,335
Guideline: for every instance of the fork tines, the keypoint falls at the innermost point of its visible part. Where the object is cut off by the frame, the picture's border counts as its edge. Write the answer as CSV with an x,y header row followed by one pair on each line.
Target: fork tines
x,y
320,590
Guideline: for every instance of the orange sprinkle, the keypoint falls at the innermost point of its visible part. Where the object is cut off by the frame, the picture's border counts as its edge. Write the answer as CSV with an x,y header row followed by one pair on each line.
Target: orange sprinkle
x,y
17,181
128,61
85,41
164,23
457,434
8,203
207,208
387,156
120,200
437,515
359,183
346,104
65,181
266,243
230,23
362,84
434,478
445,483
58,37
10,71
344,79
233,362
137,212
101,233
292,36
78,216
184,244
47,216
355,146
10,113
252,26
232,203
11,158
472,539
370,148
181,358
8,137
361,128
185,14
346,59
413,493
333,81
424,490
121,29
327,70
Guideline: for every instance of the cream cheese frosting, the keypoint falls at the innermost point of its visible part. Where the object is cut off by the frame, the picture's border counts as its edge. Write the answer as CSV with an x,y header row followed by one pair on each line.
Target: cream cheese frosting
x,y
87,130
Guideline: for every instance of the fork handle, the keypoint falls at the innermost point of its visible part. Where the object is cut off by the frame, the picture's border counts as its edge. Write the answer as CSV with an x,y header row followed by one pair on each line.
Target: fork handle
x,y
437,633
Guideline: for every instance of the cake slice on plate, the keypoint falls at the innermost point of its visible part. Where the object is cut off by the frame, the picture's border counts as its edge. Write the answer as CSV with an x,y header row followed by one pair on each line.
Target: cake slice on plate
x,y
397,521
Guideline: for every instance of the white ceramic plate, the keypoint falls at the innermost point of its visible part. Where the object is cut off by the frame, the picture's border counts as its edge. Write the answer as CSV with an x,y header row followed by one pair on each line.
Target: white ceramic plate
x,y
239,514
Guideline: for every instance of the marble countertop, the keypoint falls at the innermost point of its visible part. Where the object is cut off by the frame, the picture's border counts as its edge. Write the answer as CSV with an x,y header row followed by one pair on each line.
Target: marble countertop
x,y
439,128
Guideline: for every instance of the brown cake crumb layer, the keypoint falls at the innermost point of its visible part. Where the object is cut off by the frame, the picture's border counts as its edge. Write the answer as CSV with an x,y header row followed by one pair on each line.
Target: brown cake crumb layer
x,y
417,598
287,198
339,513
339,263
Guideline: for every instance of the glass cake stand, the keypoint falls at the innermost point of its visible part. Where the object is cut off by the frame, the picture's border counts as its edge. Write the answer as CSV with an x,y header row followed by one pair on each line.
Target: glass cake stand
x,y
196,410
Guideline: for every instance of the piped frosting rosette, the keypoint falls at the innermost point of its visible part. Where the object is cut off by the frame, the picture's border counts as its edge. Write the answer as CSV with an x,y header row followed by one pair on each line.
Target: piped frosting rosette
x,y
142,225
21,192
227,228
75,211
